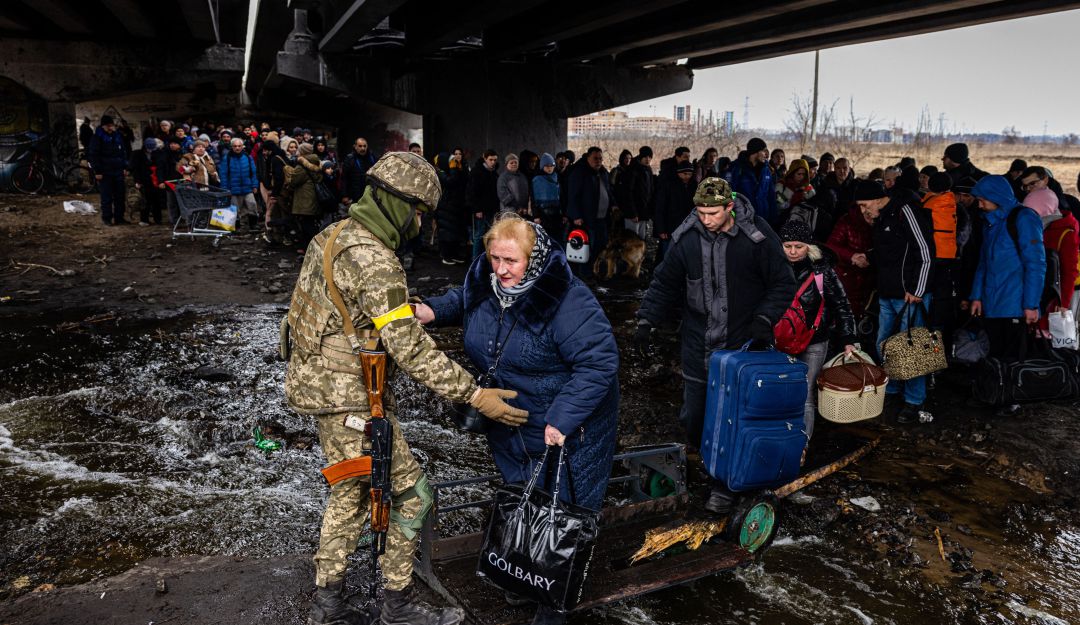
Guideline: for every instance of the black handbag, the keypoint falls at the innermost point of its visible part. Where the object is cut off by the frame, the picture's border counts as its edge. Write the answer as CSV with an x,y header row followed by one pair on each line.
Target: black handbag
x,y
322,192
539,547
1035,375
466,416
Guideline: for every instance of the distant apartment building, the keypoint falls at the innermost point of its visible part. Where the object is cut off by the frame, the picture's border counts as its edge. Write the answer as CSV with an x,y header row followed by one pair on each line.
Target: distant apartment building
x,y
617,121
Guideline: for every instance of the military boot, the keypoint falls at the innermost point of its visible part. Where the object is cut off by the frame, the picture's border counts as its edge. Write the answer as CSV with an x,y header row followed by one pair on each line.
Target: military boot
x,y
402,607
331,608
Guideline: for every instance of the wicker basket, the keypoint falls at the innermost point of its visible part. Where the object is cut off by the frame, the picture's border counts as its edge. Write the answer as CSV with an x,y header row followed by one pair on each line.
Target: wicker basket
x,y
851,389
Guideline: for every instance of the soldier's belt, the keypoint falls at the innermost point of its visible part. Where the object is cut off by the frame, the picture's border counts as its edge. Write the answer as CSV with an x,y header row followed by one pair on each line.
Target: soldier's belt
x,y
348,469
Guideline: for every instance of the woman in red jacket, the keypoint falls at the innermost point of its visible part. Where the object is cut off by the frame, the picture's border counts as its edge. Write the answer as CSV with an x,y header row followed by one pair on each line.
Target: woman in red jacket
x,y
1059,235
851,240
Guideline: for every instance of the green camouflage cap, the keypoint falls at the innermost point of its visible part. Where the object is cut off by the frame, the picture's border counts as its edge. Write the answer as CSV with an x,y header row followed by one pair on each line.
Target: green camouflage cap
x,y
713,192
409,177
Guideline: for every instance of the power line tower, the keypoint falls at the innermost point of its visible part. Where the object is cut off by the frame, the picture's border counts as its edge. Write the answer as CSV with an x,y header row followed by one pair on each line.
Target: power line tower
x,y
746,113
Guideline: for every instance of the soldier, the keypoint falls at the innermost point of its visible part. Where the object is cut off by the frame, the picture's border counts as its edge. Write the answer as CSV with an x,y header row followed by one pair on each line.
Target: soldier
x,y
324,379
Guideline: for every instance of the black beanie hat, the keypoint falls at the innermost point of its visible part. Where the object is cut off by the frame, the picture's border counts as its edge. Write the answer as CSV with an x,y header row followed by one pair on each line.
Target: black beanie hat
x,y
957,152
684,166
1018,165
869,190
107,119
940,182
964,185
795,230
756,144
929,170
827,157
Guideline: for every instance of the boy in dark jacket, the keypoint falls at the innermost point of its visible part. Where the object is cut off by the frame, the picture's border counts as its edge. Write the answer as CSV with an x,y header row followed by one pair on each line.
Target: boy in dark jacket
x,y
904,256
726,251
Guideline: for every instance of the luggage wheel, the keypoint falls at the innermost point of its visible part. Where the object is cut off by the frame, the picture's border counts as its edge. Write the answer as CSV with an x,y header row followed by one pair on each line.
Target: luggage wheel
x,y
754,521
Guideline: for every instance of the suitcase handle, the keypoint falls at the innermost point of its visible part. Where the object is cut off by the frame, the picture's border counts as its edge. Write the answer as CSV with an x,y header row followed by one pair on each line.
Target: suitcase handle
x,y
746,347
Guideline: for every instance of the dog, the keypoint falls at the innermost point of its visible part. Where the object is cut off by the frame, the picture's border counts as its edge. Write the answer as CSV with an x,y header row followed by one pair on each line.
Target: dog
x,y
625,246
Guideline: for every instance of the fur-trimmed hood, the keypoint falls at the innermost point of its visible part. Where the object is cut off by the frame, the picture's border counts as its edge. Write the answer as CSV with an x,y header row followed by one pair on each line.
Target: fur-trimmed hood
x,y
536,306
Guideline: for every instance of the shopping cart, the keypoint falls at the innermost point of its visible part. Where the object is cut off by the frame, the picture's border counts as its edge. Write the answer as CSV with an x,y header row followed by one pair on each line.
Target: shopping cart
x,y
196,203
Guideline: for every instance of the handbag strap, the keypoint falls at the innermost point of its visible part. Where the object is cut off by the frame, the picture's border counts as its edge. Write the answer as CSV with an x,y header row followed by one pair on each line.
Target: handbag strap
x,y
543,462
502,347
527,492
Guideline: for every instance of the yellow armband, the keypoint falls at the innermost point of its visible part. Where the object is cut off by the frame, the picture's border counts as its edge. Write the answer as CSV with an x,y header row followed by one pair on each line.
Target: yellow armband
x,y
401,312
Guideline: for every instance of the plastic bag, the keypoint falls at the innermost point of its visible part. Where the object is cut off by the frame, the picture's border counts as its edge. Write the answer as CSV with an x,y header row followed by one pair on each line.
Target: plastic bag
x,y
1063,329
79,207
224,218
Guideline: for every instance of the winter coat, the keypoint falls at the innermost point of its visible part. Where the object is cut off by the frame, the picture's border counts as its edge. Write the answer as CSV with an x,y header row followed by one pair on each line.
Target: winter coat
x,y
786,197
1061,236
584,190
903,248
621,183
673,203
942,207
278,161
237,173
837,307
142,168
481,192
86,135
354,170
726,299
205,170
560,357
1010,274
451,215
852,235
545,194
642,192
513,190
757,185
967,170
302,179
108,153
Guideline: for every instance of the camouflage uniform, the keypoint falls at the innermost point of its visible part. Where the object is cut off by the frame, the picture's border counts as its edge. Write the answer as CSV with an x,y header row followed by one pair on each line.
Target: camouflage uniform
x,y
324,380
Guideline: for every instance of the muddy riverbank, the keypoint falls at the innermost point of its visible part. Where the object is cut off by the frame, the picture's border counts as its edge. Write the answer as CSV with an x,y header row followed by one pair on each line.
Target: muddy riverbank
x,y
126,456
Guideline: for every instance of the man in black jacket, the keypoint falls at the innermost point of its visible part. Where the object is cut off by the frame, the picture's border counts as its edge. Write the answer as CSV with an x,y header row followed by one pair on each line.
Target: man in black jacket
x,y
482,197
956,163
109,155
641,201
673,203
904,256
727,272
354,168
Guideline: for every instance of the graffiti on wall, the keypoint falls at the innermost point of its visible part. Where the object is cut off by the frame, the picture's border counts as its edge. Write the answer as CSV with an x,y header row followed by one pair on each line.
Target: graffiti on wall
x,y
23,125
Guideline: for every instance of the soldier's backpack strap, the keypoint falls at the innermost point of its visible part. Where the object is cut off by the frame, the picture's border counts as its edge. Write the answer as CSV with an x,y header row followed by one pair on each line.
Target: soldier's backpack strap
x,y
335,295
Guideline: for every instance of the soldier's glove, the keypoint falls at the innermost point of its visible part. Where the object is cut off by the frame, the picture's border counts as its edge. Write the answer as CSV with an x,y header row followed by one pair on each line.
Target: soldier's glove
x,y
643,339
489,401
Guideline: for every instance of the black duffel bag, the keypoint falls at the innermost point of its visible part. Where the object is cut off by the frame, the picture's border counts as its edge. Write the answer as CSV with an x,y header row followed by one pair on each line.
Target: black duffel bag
x,y
1037,374
539,547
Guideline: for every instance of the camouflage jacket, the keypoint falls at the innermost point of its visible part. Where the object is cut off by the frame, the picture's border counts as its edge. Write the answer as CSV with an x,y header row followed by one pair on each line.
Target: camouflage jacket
x,y
323,375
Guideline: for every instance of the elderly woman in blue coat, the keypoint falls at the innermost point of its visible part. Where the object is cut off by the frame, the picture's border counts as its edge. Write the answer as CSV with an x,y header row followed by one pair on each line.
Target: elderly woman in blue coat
x,y
559,355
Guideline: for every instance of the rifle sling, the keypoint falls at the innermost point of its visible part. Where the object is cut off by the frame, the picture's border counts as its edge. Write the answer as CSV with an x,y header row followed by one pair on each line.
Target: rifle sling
x,y
348,469
335,295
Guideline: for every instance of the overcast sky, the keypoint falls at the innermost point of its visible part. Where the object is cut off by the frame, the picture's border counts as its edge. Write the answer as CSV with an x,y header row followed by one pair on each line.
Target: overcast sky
x,y
1019,73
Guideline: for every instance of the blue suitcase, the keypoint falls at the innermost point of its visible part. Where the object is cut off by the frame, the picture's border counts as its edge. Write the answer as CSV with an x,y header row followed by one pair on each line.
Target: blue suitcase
x,y
754,435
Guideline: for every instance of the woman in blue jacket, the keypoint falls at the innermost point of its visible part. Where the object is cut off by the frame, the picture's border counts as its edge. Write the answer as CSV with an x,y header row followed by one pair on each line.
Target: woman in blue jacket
x,y
1012,264
559,354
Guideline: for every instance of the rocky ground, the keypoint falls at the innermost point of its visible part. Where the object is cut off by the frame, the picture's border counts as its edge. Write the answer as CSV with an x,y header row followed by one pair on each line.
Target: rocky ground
x,y
943,504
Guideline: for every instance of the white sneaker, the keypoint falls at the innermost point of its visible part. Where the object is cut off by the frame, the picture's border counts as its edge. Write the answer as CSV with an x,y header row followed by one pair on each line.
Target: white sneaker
x,y
144,223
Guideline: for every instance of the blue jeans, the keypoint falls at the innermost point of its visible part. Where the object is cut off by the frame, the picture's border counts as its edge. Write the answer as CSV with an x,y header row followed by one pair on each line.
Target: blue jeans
x,y
915,388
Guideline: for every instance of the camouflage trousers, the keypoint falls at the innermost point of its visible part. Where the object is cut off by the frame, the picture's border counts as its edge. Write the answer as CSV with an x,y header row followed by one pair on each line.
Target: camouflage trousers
x,y
347,512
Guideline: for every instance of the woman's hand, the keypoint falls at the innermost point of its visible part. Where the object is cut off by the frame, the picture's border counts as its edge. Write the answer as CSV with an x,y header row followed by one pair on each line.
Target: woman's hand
x,y
553,436
424,313
848,349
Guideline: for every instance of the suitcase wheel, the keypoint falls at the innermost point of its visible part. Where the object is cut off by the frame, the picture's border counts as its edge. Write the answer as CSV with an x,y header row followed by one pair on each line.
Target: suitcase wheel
x,y
754,522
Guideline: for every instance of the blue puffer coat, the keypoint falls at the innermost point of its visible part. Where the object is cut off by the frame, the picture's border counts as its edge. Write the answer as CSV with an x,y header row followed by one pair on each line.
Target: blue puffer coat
x,y
562,360
237,173
756,186
108,153
1006,282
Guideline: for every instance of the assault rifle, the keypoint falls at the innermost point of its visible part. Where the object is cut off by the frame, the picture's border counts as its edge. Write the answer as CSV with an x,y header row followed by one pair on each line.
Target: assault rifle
x,y
380,432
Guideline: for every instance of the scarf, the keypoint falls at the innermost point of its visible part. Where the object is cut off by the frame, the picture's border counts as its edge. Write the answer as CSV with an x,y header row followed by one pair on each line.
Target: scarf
x,y
537,261
367,212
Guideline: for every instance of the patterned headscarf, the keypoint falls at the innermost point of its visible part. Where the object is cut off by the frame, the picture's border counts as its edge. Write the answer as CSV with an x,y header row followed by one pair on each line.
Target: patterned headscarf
x,y
537,261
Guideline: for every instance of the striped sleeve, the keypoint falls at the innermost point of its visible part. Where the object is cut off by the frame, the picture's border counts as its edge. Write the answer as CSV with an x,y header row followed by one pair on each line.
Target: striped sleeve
x,y
925,257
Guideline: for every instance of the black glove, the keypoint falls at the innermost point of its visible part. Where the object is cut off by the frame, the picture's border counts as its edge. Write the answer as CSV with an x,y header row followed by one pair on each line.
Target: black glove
x,y
643,338
761,334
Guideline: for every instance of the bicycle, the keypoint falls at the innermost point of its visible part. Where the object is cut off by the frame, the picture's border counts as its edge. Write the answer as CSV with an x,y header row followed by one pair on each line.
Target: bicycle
x,y
32,177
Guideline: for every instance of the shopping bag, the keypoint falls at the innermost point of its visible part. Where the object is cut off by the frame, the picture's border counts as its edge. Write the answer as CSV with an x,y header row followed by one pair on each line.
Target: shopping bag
x,y
224,218
536,546
1062,329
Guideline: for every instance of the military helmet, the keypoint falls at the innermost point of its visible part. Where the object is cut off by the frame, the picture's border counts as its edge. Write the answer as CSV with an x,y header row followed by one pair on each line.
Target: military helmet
x,y
713,192
407,176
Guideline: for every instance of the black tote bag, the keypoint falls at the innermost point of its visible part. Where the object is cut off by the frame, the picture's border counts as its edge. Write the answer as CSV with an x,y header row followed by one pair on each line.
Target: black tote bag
x,y
537,546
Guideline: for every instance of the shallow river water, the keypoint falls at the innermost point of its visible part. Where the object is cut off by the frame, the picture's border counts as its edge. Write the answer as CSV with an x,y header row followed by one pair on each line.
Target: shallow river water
x,y
114,450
